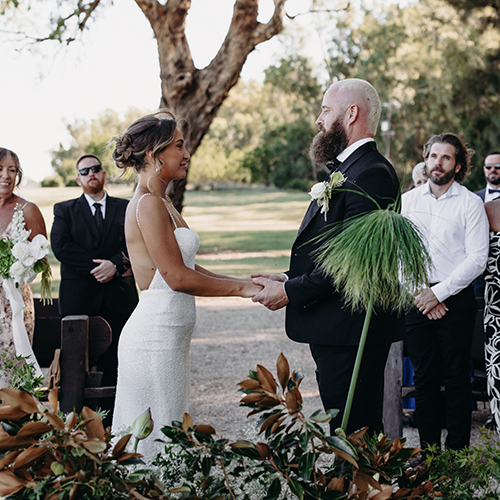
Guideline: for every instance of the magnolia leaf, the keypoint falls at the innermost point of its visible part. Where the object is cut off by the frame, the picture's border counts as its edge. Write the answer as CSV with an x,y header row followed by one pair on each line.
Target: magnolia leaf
x,y
242,444
346,456
34,429
264,450
269,420
94,428
336,484
10,483
283,370
28,456
365,482
54,420
396,446
53,398
8,458
343,445
277,424
120,446
252,398
381,495
14,443
180,489
250,385
71,421
18,399
306,465
94,445
293,400
320,416
296,488
7,412
187,422
297,378
268,402
266,379
205,429
127,456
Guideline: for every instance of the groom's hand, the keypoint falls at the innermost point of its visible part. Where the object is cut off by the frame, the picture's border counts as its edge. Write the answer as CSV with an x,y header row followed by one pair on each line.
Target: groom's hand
x,y
273,295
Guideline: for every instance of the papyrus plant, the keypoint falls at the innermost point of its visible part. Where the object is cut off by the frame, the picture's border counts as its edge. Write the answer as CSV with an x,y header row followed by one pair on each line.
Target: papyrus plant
x,y
376,260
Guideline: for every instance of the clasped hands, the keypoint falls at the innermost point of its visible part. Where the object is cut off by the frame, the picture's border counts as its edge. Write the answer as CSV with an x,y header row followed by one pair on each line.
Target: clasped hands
x,y
428,304
104,272
273,294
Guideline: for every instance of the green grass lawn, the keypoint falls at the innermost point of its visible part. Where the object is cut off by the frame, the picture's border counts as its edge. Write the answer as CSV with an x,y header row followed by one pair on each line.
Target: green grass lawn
x,y
241,231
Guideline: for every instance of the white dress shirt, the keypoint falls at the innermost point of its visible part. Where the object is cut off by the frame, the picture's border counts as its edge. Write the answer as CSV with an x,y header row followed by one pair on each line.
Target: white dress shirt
x,y
455,230
102,201
490,196
350,149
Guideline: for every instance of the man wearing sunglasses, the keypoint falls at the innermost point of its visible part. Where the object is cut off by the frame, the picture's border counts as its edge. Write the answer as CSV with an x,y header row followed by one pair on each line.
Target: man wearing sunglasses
x,y
491,170
88,239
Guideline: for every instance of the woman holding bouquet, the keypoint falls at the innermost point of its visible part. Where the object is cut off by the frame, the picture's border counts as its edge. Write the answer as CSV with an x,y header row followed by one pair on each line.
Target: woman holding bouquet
x,y
10,177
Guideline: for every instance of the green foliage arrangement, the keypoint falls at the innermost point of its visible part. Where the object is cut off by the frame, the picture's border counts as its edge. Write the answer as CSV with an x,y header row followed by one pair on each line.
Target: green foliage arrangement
x,y
369,257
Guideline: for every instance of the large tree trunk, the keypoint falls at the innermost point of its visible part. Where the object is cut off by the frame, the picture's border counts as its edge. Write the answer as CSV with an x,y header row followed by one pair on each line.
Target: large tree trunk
x,y
194,94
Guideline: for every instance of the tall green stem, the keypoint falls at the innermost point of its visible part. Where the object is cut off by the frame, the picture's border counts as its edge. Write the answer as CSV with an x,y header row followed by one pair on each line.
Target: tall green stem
x,y
357,363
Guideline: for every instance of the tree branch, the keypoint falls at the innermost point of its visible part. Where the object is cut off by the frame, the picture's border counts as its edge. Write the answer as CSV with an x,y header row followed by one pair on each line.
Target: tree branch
x,y
82,13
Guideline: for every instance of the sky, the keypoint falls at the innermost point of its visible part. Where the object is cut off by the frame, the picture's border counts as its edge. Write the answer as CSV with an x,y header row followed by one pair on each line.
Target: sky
x,y
113,66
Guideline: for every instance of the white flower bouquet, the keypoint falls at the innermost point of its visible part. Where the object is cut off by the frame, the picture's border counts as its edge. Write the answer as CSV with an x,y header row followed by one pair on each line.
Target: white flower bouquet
x,y
321,192
21,260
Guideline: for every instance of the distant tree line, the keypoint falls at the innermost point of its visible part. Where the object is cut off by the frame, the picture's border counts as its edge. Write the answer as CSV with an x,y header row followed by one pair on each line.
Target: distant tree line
x,y
436,67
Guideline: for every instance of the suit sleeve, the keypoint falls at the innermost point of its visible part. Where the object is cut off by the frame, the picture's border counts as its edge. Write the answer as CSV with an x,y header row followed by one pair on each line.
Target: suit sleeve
x,y
65,249
306,290
121,261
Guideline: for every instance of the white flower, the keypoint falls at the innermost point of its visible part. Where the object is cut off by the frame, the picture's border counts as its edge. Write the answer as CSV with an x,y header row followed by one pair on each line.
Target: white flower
x,y
21,251
321,192
317,190
39,247
16,271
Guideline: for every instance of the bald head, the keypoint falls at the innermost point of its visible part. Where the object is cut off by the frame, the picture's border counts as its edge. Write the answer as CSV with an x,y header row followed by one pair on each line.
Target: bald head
x,y
357,103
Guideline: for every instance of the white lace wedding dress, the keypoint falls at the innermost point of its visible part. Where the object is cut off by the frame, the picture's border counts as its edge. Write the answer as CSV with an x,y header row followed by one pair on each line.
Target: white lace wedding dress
x,y
153,354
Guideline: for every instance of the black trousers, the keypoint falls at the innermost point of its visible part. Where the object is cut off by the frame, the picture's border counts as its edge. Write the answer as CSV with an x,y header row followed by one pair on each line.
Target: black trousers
x,y
334,367
440,353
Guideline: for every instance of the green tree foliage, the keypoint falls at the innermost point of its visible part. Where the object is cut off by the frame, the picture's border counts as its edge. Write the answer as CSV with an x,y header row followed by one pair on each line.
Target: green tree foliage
x,y
437,68
89,138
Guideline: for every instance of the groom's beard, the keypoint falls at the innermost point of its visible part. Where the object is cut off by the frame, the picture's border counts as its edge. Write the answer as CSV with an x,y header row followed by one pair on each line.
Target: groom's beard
x,y
327,145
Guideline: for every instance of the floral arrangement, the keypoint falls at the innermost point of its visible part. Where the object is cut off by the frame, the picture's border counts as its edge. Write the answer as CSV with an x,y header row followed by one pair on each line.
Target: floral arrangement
x,y
21,260
321,192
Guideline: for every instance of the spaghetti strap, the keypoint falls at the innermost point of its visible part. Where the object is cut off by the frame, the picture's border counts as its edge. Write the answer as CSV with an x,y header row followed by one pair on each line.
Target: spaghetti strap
x,y
171,216
166,206
137,209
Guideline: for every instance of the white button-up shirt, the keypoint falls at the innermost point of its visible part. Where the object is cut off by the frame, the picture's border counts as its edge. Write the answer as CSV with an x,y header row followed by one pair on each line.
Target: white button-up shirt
x,y
455,230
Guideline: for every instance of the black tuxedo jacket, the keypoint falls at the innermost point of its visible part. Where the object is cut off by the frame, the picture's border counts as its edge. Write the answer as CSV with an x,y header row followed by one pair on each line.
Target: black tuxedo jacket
x,y
316,313
481,193
76,242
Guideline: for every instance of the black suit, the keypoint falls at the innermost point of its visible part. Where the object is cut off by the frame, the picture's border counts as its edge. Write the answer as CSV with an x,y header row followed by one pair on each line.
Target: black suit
x,y
316,313
481,193
76,242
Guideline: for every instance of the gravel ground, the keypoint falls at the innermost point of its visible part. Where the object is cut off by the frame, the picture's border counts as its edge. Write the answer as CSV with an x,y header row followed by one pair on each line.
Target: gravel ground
x,y
232,336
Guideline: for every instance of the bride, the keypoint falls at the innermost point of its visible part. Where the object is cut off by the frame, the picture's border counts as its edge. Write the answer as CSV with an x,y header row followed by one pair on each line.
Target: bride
x,y
153,352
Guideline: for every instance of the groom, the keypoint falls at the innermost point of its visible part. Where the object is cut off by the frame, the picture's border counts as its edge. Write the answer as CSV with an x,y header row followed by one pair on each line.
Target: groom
x,y
315,312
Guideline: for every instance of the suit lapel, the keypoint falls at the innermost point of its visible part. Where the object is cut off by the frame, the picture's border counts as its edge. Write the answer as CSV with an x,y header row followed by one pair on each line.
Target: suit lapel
x,y
87,216
313,208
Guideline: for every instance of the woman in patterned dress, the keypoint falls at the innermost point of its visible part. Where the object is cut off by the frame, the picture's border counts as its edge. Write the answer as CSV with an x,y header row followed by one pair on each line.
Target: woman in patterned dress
x,y
10,177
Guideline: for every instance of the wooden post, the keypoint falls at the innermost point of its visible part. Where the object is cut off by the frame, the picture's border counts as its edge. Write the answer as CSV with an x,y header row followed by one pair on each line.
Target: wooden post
x,y
393,401
74,361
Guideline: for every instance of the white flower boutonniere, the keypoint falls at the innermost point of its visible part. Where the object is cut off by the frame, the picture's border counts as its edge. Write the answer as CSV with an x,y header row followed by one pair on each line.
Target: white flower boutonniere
x,y
321,192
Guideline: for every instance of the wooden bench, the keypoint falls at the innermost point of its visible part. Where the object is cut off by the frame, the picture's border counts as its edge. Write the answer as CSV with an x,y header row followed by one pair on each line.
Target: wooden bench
x,y
82,339
395,391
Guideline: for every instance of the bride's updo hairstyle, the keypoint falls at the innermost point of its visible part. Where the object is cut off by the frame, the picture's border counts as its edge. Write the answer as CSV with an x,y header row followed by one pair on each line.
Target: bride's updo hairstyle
x,y
150,133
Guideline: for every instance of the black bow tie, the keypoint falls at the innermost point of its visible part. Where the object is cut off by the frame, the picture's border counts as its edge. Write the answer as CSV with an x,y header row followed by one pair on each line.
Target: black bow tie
x,y
492,191
333,165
